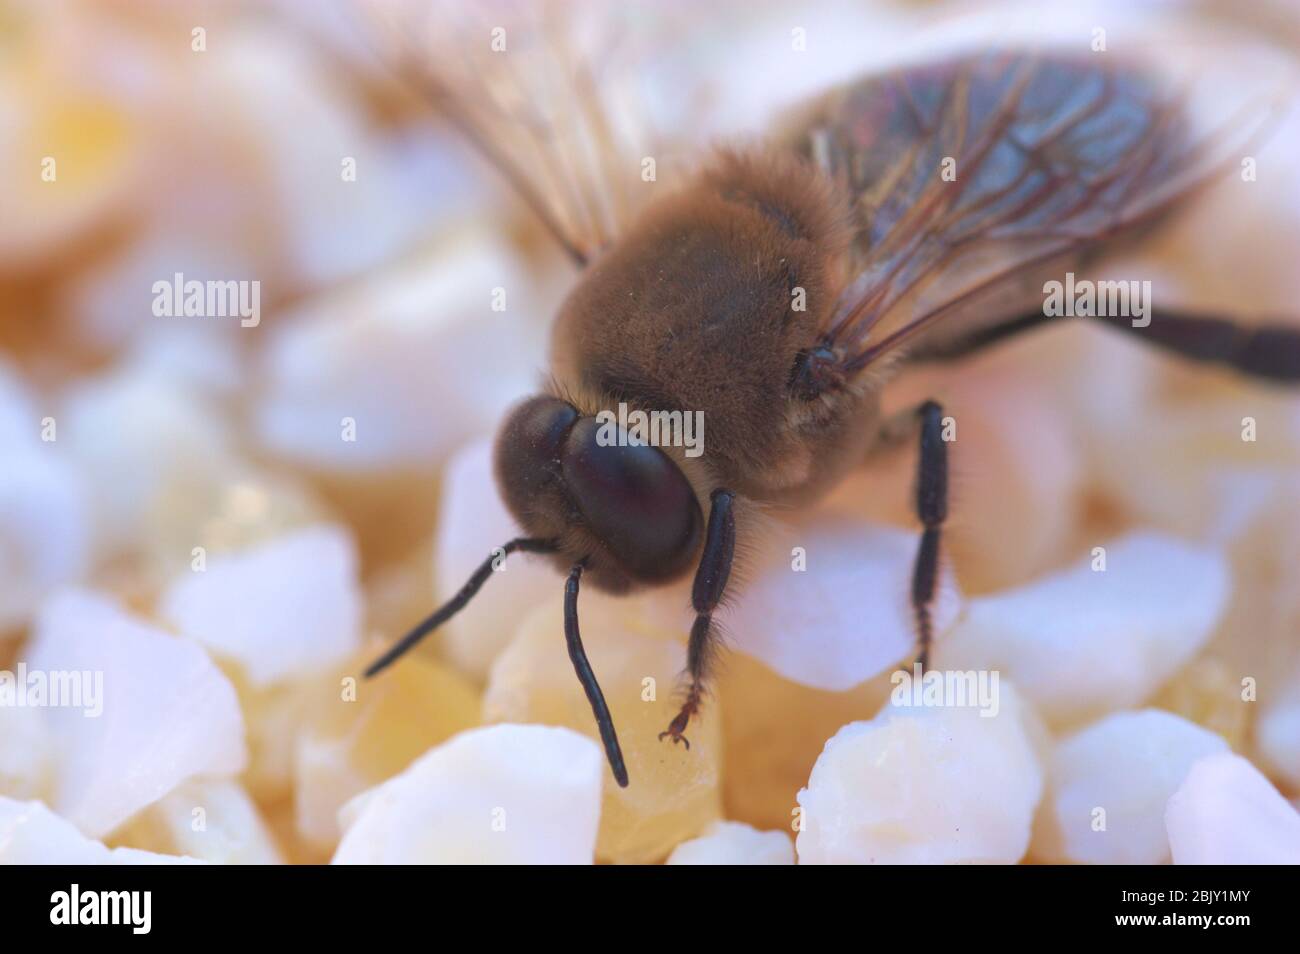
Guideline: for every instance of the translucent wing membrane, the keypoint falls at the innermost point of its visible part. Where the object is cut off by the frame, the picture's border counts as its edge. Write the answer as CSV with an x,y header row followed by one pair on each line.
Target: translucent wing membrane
x,y
530,86
973,176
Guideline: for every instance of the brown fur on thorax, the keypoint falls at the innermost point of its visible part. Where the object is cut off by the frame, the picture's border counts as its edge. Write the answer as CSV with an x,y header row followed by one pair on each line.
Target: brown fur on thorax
x,y
692,310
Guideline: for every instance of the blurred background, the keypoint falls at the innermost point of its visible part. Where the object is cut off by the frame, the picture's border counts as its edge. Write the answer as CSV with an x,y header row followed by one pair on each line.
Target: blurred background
x,y
269,142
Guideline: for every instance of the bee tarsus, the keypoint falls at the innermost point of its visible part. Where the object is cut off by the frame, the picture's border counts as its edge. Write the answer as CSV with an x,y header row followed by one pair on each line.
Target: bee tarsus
x,y
706,593
678,725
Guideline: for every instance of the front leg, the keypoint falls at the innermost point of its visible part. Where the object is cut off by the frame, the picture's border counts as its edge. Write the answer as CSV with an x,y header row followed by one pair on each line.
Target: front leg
x,y
932,508
710,582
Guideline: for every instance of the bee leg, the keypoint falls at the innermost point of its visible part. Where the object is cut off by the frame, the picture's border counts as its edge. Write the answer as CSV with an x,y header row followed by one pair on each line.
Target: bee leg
x,y
954,349
932,508
710,582
1269,352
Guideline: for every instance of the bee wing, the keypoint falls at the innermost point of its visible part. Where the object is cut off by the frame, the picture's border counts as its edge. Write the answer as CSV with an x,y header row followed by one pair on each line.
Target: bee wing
x,y
974,177
533,87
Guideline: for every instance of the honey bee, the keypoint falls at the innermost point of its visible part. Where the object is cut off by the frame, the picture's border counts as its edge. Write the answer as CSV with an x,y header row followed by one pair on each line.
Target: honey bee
x,y
907,217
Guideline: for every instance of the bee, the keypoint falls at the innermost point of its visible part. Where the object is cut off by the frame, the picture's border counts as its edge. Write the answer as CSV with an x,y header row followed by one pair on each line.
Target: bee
x,y
907,217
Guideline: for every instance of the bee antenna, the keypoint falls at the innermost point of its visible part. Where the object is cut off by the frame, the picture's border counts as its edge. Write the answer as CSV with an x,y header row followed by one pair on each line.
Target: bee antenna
x,y
459,601
578,656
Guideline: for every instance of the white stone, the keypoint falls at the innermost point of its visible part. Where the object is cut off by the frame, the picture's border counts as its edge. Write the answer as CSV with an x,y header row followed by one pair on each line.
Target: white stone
x,y
1184,467
734,843
281,610
166,712
418,361
1210,249
323,782
1081,643
256,78
200,357
45,529
472,521
111,301
1277,733
506,794
31,834
135,439
275,717
26,757
213,820
1227,813
1108,785
925,785
844,618
1257,635
20,423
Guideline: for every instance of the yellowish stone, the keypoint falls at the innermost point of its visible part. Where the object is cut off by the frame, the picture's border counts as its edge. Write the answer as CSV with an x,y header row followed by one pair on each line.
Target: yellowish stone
x,y
674,793
390,511
26,752
92,144
1257,635
357,733
400,594
213,820
773,733
222,512
281,818
60,103
1209,692
273,716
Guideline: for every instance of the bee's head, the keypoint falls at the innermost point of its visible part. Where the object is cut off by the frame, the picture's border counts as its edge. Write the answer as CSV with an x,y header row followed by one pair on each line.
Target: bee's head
x,y
627,510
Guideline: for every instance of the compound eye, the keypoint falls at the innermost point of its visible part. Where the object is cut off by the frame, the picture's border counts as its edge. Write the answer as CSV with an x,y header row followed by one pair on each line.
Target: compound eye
x,y
528,469
635,500
538,427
